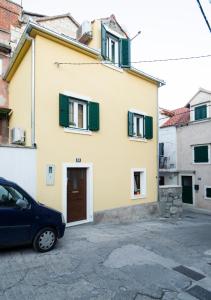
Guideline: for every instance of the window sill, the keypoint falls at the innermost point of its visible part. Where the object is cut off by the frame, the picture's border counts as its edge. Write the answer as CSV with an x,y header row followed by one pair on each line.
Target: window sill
x,y
201,163
138,197
200,121
78,131
136,139
111,66
207,198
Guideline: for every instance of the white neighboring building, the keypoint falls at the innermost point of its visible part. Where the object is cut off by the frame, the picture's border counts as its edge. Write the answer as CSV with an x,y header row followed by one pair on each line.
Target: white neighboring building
x,y
185,150
168,165
194,152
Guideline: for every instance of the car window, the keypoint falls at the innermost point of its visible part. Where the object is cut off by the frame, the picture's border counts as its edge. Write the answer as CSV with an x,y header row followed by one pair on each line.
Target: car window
x,y
10,197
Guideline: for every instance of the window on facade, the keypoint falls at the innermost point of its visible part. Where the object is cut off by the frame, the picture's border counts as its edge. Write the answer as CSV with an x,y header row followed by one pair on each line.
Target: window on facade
x,y
201,154
161,149
1,66
112,49
200,112
138,183
115,49
208,192
140,126
161,180
138,122
1,124
78,114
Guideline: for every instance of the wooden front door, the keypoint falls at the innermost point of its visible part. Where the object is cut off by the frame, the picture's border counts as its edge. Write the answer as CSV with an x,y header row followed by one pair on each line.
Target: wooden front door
x,y
187,189
76,194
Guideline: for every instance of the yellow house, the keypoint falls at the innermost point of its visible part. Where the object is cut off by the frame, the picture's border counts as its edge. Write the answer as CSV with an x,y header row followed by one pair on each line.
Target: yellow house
x,y
92,118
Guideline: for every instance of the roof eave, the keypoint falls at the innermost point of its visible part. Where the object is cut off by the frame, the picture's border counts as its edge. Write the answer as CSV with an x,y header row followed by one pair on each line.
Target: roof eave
x,y
142,74
30,26
89,51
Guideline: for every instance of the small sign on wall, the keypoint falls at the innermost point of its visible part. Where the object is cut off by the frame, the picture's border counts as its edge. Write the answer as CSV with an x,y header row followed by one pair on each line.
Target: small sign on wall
x,y
50,174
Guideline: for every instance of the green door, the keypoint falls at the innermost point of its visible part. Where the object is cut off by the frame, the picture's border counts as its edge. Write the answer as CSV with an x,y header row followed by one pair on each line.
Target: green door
x,y
187,189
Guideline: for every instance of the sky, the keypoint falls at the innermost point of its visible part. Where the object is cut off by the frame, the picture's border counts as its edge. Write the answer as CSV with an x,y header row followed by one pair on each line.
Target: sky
x,y
169,29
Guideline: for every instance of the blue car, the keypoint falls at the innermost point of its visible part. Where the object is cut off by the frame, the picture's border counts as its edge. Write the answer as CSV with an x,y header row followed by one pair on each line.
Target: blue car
x,y
25,221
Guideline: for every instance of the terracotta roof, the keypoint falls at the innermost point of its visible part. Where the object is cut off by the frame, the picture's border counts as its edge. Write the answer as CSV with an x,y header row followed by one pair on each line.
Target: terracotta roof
x,y
166,112
180,116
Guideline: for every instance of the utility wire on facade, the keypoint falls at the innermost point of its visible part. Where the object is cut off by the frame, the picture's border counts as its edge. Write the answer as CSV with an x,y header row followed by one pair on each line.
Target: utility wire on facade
x,y
134,62
183,113
203,14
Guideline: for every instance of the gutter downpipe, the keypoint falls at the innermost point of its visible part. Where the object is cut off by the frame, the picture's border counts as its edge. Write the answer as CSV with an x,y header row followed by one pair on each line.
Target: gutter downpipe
x,y
33,144
159,85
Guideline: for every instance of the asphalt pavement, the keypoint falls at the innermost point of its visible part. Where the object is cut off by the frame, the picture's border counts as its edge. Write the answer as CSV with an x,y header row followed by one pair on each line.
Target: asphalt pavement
x,y
153,259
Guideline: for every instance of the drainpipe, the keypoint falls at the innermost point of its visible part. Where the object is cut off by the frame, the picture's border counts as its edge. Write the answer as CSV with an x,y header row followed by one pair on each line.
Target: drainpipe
x,y
158,145
33,144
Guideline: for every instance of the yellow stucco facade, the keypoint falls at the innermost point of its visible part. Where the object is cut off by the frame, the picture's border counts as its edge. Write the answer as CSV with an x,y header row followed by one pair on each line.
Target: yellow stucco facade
x,y
110,152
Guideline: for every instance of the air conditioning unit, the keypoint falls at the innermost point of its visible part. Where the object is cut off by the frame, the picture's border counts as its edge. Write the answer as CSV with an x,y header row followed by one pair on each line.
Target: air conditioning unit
x,y
84,32
17,136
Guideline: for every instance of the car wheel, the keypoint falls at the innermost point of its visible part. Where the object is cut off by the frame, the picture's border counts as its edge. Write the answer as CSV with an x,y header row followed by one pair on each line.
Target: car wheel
x,y
45,240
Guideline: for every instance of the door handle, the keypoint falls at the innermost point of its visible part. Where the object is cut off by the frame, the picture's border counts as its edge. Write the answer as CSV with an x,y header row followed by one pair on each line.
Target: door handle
x,y
75,192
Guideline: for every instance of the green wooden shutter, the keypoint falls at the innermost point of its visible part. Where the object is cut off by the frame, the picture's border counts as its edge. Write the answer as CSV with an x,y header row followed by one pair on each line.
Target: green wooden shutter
x,y
125,56
94,116
201,112
148,127
130,123
103,42
63,110
201,154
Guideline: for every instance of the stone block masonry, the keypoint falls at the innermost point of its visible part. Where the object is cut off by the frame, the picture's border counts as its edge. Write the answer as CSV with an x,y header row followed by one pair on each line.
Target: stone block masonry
x,y
170,201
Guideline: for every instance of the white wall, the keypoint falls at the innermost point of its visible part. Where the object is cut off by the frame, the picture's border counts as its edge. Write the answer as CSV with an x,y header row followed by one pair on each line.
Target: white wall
x,y
167,135
162,118
19,165
200,99
171,179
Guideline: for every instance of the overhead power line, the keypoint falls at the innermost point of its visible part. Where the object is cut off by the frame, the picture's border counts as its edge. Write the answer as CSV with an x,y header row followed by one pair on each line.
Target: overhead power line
x,y
203,14
135,62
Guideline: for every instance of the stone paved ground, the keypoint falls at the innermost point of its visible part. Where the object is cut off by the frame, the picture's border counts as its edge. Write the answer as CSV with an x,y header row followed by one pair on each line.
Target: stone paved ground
x,y
107,261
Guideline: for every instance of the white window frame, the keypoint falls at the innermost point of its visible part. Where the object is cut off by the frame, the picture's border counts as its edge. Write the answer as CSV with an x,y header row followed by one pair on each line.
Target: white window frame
x,y
109,41
75,116
201,163
141,125
142,171
1,66
143,114
198,105
205,192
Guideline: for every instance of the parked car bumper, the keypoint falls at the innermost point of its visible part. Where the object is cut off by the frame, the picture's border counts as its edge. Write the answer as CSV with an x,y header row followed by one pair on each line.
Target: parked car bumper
x,y
61,230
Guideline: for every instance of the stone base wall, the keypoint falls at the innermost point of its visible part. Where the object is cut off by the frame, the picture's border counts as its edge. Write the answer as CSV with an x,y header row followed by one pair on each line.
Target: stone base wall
x,y
127,214
170,201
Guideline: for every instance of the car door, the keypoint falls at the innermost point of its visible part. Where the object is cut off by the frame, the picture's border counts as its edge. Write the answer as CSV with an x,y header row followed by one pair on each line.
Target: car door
x,y
15,220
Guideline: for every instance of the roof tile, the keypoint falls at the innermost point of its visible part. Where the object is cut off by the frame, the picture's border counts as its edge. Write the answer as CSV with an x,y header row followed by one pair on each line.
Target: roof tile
x,y
181,116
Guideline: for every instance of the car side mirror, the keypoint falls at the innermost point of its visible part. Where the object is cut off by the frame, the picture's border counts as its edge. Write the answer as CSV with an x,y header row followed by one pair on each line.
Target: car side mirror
x,y
23,204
